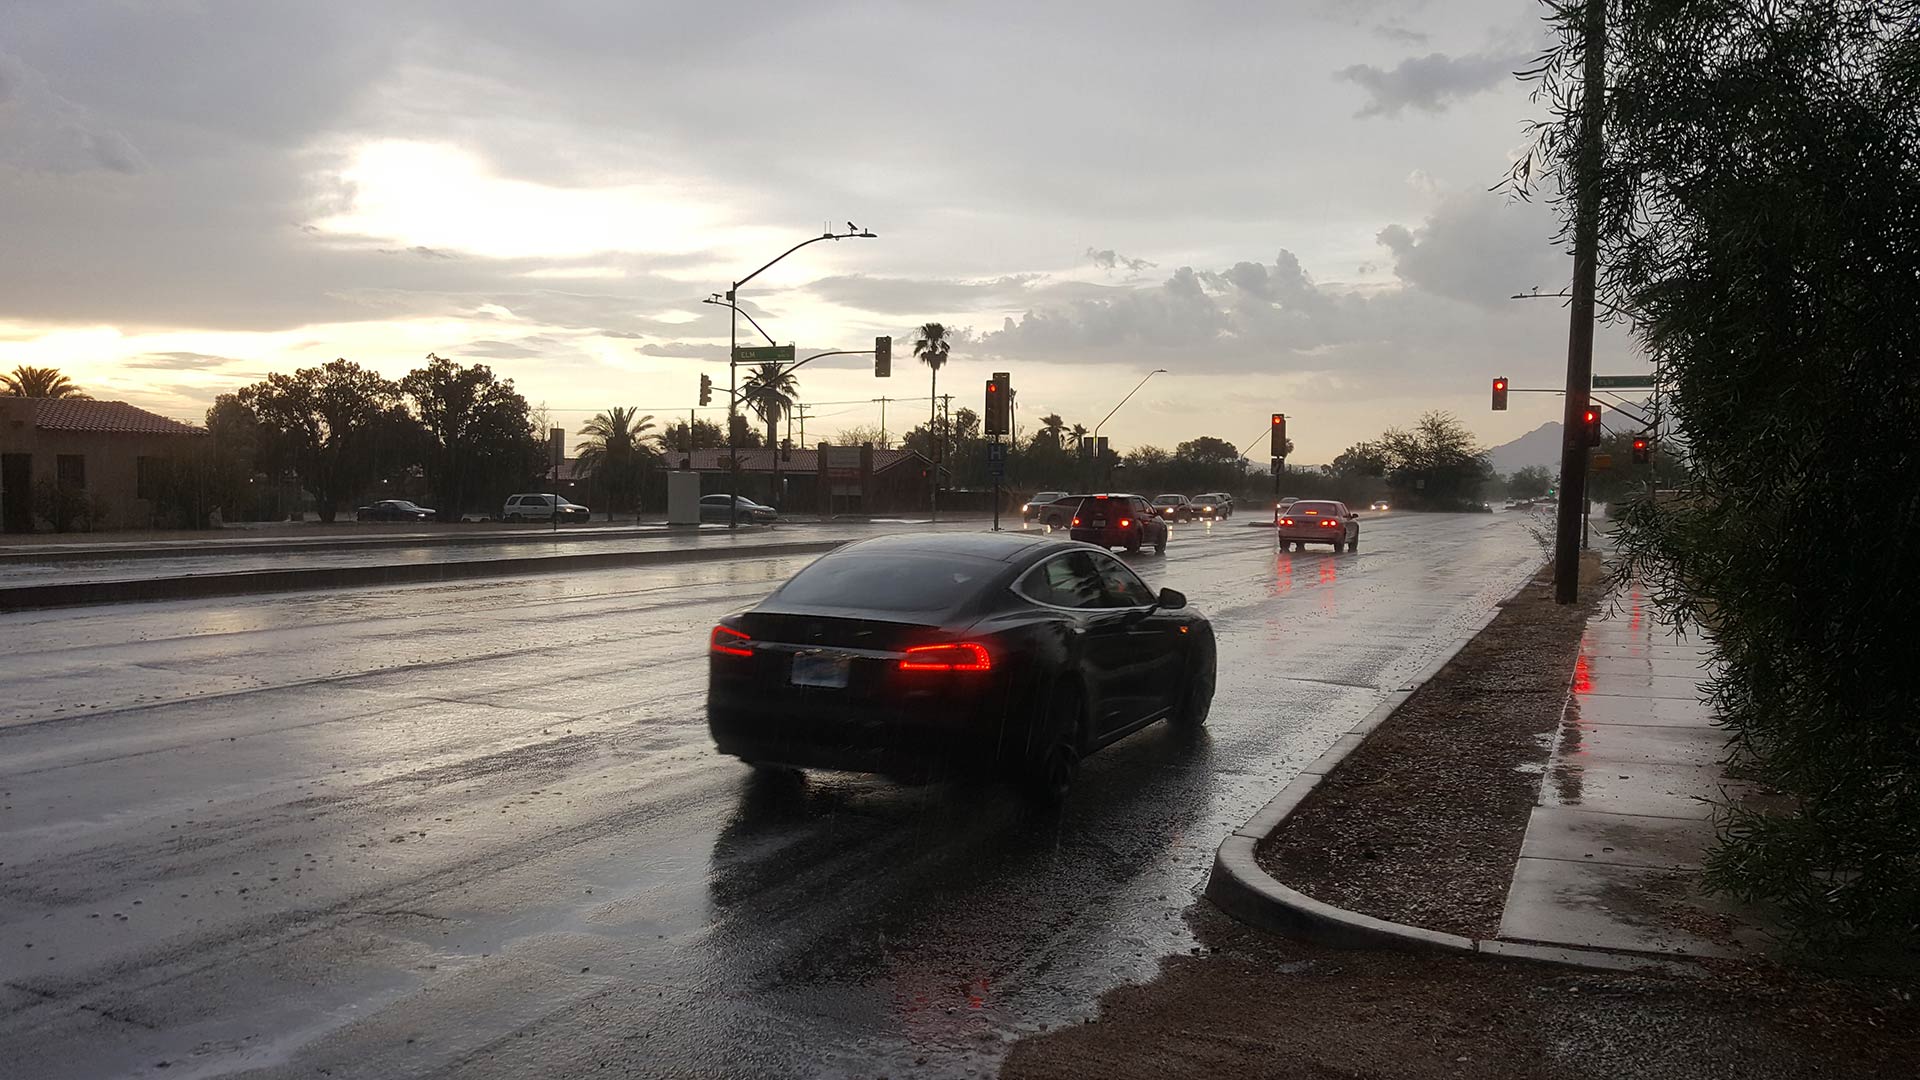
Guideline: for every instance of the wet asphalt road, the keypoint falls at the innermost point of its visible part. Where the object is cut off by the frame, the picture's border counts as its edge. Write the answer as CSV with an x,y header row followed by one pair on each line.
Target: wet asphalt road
x,y
478,830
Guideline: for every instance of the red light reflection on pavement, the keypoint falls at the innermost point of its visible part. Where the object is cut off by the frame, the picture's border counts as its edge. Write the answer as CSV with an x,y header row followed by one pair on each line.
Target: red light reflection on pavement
x,y
1582,676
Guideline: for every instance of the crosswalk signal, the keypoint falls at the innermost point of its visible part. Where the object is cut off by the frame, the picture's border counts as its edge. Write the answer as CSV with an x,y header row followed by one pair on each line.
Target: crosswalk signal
x,y
1590,423
1279,435
706,390
882,357
1642,450
1499,395
999,410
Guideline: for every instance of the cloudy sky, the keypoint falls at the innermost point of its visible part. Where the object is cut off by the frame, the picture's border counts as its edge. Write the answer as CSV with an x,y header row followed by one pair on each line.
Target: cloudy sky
x,y
1283,204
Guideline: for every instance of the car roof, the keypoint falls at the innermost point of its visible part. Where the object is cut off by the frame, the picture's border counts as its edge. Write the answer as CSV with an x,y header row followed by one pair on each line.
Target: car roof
x,y
1169,495
999,547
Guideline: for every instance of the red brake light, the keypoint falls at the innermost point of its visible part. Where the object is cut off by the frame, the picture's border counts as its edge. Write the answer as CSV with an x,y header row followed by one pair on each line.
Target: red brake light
x,y
726,639
1076,523
1286,521
1330,523
964,656
1124,522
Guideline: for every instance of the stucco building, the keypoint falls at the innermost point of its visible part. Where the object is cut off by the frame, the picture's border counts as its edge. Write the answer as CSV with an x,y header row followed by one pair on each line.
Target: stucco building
x,y
107,458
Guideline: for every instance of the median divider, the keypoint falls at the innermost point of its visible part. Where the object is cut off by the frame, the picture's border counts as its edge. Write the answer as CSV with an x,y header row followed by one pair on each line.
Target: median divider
x,y
297,579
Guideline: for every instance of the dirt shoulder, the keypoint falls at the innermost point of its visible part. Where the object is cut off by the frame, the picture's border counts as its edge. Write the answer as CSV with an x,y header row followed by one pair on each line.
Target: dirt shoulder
x,y
1254,1005
1422,823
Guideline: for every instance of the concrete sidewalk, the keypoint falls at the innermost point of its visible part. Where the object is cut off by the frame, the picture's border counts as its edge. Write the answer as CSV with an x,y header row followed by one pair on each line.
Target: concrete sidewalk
x,y
1613,852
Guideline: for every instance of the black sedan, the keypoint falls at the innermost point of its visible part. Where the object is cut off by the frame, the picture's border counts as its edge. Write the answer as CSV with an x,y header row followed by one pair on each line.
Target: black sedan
x,y
393,510
919,656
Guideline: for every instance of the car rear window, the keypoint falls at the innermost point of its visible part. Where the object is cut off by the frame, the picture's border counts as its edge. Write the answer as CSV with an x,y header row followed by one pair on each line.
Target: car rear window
x,y
1167,500
890,582
1322,509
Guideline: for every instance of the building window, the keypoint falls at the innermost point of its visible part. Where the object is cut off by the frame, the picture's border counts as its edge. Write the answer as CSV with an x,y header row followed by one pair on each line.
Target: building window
x,y
71,469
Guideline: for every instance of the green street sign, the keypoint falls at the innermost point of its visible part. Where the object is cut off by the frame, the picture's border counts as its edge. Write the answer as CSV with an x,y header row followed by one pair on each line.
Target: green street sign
x,y
760,354
1623,382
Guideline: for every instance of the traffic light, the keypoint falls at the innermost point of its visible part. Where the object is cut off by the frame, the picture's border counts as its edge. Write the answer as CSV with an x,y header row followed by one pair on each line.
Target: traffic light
x,y
1279,436
706,390
1590,422
1642,450
882,357
999,412
1499,395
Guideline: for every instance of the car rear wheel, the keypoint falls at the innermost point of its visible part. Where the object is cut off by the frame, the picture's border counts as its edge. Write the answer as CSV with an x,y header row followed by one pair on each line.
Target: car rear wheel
x,y
1160,545
1133,545
1051,775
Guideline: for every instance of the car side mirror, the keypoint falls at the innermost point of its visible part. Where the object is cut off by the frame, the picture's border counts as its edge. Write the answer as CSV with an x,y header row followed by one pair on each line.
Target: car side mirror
x,y
1353,516
1172,599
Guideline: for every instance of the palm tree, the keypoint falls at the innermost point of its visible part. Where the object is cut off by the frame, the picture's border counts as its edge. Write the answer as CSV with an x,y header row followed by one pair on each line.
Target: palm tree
x,y
1052,428
616,447
1078,433
931,349
769,391
44,382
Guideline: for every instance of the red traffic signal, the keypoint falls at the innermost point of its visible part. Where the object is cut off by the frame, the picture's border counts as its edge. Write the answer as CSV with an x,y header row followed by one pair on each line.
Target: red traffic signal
x,y
1642,450
1499,395
999,418
1279,435
1590,423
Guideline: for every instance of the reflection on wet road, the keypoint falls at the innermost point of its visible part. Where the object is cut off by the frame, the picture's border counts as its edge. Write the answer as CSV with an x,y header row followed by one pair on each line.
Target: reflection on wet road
x,y
478,830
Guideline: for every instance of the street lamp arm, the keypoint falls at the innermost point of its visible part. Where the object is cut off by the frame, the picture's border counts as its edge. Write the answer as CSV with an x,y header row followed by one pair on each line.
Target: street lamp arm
x,y
749,318
1123,401
868,233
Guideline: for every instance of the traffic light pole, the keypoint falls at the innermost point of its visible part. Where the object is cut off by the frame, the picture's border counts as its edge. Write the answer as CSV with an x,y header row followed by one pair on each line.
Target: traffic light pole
x,y
1586,239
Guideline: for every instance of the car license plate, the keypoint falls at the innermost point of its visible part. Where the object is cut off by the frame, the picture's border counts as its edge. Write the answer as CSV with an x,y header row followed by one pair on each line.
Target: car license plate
x,y
821,669
1099,523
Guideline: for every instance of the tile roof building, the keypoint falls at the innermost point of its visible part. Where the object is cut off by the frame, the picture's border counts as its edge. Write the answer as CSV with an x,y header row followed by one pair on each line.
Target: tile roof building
x,y
67,462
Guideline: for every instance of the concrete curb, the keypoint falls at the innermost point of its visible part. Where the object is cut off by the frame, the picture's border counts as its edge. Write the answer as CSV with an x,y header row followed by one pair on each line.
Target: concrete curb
x,y
245,582
1238,886
174,549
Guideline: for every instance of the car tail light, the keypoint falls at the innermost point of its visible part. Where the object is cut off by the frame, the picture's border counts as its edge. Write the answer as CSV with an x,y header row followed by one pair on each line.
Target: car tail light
x,y
1124,522
1330,524
725,639
1076,523
963,656
1286,521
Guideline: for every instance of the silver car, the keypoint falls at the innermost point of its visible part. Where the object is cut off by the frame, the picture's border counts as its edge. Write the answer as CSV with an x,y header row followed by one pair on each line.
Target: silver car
x,y
714,508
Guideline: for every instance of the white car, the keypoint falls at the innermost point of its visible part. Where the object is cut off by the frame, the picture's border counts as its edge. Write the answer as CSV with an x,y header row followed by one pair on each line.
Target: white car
x,y
547,507
1317,521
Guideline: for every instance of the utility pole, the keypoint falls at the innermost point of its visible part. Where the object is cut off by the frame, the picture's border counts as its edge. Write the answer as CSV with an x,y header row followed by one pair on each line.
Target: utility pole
x,y
883,420
802,409
1586,240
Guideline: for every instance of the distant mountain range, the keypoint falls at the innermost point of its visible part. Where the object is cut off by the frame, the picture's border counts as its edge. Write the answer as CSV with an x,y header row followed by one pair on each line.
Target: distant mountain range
x,y
1541,446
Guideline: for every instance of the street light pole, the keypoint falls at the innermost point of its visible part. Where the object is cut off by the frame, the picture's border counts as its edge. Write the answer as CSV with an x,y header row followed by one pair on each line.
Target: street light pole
x,y
733,366
1123,401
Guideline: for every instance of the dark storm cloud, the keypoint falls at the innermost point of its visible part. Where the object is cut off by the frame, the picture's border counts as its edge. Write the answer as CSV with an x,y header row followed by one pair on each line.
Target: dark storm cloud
x,y
1428,83
1109,259
41,131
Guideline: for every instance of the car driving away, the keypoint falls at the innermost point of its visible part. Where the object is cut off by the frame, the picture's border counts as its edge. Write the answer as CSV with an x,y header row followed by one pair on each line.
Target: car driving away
x,y
1123,521
393,510
922,656
1213,506
1317,521
1173,507
714,508
1032,508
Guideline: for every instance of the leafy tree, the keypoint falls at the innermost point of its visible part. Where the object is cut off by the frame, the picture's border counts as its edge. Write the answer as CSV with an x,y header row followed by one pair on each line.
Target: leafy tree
x,y
769,391
1077,435
338,427
615,450
1530,482
1757,193
1359,460
38,382
858,436
1435,464
480,432
707,435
